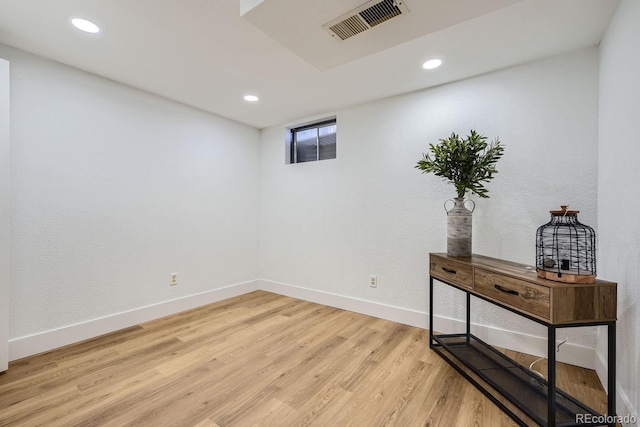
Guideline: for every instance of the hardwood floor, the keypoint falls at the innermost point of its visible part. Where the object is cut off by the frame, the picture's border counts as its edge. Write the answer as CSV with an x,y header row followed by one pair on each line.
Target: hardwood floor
x,y
256,360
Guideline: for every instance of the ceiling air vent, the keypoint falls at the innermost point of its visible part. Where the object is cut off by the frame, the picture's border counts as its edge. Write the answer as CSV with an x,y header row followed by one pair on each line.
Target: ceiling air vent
x,y
368,15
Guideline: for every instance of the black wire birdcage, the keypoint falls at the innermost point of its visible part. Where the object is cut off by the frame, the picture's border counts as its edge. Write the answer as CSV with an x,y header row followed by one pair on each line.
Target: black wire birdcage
x,y
566,249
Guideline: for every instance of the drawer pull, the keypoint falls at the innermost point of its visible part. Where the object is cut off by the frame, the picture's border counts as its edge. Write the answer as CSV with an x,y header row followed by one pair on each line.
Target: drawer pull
x,y
505,290
448,270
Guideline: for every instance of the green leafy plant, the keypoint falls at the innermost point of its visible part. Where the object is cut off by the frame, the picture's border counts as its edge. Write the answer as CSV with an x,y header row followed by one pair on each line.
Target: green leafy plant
x,y
467,163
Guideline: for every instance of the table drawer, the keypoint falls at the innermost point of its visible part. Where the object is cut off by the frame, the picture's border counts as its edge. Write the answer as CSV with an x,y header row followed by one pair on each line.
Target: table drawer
x,y
451,271
519,294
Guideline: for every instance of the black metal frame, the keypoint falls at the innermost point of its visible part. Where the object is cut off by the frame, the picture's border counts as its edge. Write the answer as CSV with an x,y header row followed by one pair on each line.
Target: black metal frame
x,y
314,125
436,343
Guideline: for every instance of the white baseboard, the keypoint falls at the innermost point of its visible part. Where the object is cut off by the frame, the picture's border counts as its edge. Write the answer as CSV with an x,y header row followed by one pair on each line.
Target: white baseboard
x,y
383,311
569,353
601,369
49,340
45,341
623,404
537,346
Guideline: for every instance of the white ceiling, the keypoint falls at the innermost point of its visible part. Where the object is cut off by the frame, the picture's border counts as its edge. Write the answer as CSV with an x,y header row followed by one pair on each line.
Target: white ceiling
x,y
312,43
204,53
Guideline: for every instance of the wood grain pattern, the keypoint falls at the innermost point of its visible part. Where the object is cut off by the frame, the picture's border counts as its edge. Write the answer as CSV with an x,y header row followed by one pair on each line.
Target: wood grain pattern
x,y
552,302
454,272
256,360
586,303
513,292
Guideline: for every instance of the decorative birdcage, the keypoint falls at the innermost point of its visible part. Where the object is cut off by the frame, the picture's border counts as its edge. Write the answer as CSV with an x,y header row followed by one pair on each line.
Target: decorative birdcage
x,y
566,249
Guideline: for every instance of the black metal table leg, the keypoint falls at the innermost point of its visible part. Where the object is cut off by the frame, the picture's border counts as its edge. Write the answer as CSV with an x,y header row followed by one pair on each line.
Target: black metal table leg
x,y
468,317
611,371
551,376
430,312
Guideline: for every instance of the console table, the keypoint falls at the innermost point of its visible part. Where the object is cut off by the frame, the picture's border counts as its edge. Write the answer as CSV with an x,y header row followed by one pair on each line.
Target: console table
x,y
523,395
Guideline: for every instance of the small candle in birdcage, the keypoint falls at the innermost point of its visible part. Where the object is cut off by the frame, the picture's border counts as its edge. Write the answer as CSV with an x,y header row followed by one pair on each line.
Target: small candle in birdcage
x,y
566,249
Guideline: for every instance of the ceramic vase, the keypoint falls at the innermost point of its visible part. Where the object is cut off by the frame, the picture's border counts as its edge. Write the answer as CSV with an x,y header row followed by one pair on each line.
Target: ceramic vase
x,y
459,219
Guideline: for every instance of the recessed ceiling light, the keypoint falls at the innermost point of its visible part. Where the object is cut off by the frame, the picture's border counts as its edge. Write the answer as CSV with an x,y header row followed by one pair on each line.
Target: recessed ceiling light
x,y
431,64
85,25
251,98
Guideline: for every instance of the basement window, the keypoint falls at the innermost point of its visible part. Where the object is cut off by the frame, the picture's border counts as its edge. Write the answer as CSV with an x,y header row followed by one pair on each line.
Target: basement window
x,y
312,141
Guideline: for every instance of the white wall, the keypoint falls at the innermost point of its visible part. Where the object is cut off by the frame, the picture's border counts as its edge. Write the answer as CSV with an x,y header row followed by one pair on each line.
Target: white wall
x,y
4,214
327,226
113,189
619,202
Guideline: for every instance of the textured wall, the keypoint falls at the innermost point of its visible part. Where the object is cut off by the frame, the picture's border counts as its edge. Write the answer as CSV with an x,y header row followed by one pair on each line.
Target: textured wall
x,y
113,189
4,213
328,225
619,175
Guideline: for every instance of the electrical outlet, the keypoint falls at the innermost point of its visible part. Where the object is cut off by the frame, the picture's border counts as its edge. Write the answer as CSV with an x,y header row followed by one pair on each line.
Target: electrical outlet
x,y
174,279
373,281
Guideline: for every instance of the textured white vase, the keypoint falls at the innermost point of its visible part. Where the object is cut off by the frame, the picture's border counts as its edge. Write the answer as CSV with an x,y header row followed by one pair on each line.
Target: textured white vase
x,y
459,220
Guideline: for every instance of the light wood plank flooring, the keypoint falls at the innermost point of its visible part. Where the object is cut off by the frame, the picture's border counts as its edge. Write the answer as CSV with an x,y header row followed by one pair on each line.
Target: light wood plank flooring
x,y
256,360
